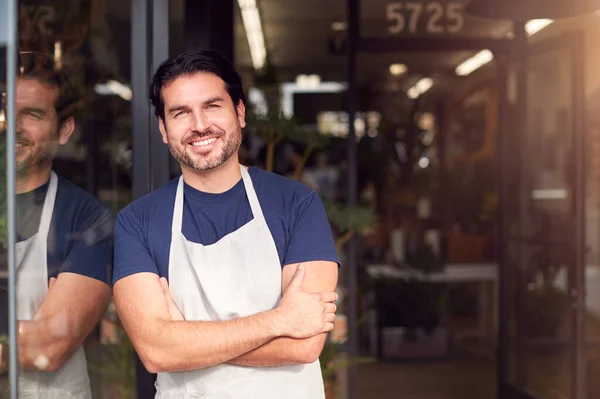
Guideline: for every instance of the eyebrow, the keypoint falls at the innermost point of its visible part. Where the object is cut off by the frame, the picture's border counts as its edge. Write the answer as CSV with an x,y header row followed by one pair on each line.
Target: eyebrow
x,y
36,110
177,108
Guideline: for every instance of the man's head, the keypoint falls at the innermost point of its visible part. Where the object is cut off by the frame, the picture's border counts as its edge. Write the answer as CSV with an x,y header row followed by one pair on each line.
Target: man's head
x,y
45,104
200,105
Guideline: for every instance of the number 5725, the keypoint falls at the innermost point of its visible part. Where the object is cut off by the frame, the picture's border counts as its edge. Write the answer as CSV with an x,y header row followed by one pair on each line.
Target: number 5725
x,y
437,17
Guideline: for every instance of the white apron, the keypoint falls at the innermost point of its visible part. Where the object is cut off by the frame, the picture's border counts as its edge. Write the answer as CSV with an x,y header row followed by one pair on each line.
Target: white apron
x,y
72,380
240,275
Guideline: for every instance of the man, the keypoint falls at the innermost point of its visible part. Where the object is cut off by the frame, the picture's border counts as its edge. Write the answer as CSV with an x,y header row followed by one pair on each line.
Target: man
x,y
249,258
64,242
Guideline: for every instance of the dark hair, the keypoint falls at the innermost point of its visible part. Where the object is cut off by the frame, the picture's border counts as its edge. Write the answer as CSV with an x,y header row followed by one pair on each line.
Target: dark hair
x,y
41,67
189,63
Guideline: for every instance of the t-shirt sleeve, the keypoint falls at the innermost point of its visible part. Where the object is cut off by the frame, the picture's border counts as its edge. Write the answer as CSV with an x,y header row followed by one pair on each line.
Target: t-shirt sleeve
x,y
91,249
132,255
311,238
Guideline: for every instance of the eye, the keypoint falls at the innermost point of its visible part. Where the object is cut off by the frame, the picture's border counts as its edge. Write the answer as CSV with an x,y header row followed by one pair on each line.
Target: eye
x,y
180,113
34,115
210,106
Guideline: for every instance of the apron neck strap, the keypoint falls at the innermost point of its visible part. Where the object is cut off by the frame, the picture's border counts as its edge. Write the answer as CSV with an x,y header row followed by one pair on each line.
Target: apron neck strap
x,y
251,193
48,208
178,209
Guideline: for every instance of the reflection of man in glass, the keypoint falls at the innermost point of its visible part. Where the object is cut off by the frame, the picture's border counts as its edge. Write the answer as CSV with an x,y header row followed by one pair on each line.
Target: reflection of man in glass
x,y
64,242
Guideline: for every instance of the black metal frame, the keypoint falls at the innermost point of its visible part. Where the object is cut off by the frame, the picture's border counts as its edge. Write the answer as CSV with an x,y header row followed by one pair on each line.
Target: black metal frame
x,y
150,46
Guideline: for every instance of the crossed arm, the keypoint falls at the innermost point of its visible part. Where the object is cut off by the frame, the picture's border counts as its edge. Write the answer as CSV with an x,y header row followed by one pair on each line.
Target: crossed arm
x,y
320,277
167,344
73,307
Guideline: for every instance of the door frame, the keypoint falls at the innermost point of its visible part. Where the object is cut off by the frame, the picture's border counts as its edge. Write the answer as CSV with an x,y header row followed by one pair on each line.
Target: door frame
x,y
574,43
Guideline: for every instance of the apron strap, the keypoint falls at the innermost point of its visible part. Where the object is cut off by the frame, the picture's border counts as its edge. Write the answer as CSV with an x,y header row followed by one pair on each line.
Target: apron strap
x,y
48,208
178,209
251,193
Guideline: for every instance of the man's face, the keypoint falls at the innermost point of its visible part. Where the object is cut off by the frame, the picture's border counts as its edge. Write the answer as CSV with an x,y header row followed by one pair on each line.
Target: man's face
x,y
202,126
38,130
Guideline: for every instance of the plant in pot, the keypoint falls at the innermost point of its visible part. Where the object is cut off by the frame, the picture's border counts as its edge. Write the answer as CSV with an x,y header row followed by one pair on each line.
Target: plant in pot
x,y
411,310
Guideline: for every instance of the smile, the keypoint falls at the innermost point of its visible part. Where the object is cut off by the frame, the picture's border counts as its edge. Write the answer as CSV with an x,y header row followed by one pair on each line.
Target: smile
x,y
203,143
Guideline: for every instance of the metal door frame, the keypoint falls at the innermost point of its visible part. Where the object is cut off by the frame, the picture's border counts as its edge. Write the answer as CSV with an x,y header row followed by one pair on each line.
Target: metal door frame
x,y
574,43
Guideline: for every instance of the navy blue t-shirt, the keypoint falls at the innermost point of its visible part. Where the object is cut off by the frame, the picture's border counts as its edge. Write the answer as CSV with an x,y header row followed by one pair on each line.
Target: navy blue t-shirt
x,y
81,230
294,213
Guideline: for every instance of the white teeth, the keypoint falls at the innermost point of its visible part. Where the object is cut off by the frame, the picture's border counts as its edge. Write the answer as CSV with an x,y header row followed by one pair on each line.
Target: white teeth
x,y
204,142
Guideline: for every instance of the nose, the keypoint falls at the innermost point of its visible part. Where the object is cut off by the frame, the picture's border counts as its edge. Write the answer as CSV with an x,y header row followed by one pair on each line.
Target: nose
x,y
201,121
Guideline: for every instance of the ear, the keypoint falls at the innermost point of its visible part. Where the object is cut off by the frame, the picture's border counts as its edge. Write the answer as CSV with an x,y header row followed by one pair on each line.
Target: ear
x,y
241,114
66,130
163,130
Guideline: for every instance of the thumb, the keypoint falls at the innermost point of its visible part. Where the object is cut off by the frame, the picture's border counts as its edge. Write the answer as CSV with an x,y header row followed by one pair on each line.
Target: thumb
x,y
297,278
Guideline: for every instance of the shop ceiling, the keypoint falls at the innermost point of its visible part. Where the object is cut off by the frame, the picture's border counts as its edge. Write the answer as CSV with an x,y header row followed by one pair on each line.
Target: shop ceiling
x,y
297,34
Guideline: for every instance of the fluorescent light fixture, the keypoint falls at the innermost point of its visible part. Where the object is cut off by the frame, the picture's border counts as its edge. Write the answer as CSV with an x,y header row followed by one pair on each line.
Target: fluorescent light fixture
x,y
474,63
535,25
254,32
483,57
398,69
420,88
549,194
112,87
289,89
339,26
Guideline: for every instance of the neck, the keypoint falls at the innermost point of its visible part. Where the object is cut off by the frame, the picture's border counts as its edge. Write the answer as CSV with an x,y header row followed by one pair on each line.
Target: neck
x,y
214,181
32,179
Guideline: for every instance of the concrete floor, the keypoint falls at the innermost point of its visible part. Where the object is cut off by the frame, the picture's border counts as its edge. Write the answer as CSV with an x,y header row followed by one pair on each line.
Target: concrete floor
x,y
462,375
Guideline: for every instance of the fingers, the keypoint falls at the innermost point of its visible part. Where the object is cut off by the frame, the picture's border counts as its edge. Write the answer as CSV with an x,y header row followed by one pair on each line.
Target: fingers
x,y
329,296
330,308
51,283
297,278
328,327
329,317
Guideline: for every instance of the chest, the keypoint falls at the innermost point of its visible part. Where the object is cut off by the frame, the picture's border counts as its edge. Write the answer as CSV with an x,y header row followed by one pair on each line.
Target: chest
x,y
212,222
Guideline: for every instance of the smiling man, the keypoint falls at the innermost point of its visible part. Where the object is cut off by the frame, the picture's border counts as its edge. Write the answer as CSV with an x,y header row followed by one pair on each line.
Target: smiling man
x,y
236,298
64,241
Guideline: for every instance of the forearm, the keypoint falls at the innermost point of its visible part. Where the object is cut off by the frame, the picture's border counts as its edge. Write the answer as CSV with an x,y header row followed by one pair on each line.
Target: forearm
x,y
283,351
44,344
191,345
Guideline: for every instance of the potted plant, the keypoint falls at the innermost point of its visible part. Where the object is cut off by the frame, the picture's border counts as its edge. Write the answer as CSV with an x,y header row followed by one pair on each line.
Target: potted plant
x,y
411,310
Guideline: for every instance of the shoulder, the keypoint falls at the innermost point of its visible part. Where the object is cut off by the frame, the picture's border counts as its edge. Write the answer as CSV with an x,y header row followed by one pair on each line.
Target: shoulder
x,y
277,187
150,205
81,205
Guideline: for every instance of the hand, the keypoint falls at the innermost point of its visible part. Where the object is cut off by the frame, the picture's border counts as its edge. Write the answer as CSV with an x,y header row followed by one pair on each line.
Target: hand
x,y
173,309
51,283
304,315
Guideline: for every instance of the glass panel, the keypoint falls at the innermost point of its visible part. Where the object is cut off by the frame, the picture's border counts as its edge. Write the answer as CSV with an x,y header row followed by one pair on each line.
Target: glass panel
x,y
4,286
541,331
73,175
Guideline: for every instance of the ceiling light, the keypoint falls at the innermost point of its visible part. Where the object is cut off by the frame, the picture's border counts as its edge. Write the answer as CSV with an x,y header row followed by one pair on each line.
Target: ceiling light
x,y
535,25
423,162
338,26
398,69
483,57
254,32
474,63
420,88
